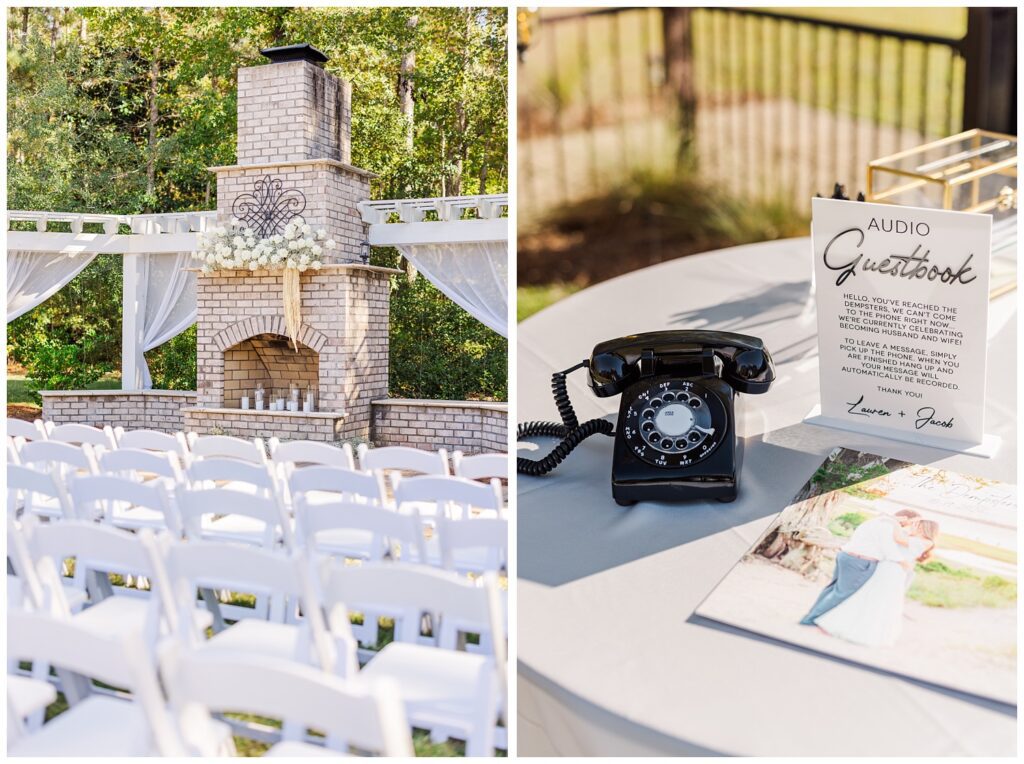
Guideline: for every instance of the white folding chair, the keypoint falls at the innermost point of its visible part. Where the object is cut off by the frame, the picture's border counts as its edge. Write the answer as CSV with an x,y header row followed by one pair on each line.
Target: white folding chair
x,y
321,484
19,428
440,688
226,447
352,715
480,466
98,551
270,575
470,545
79,434
349,529
63,461
142,466
124,503
33,588
394,461
453,497
96,724
152,440
38,493
304,453
403,458
225,514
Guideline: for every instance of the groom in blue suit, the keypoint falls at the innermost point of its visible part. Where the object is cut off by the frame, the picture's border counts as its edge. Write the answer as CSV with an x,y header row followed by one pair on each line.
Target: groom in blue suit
x,y
857,560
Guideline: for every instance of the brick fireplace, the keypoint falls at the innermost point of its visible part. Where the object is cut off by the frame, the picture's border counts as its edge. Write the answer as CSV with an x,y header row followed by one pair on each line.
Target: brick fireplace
x,y
293,154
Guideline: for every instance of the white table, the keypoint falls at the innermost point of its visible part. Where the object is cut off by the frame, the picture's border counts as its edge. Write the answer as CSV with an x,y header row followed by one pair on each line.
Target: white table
x,y
609,660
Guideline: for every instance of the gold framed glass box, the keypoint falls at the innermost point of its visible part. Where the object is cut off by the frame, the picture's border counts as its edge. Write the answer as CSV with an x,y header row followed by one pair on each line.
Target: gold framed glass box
x,y
973,171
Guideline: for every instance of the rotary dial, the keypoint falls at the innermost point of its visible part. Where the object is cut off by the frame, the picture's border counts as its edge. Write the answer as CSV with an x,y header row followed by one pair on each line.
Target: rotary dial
x,y
674,423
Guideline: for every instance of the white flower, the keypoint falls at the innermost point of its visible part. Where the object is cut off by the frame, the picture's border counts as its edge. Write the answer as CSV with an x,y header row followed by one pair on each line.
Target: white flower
x,y
321,234
315,265
317,250
282,253
235,222
306,230
292,263
253,265
330,244
277,238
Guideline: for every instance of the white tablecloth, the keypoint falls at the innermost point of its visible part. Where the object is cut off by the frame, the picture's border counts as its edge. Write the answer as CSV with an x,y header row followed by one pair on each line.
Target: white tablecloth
x,y
610,661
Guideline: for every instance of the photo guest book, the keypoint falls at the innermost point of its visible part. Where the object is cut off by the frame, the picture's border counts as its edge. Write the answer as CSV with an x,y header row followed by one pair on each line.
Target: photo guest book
x,y
902,302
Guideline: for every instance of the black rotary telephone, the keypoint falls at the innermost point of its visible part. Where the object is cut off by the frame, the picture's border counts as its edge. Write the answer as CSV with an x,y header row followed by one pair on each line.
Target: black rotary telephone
x,y
676,434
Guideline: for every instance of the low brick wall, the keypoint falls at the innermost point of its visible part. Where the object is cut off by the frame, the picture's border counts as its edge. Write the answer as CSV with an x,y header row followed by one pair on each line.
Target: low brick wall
x,y
467,426
286,425
132,410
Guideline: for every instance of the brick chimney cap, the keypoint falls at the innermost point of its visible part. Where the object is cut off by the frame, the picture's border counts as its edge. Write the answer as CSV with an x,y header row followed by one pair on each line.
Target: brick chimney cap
x,y
304,52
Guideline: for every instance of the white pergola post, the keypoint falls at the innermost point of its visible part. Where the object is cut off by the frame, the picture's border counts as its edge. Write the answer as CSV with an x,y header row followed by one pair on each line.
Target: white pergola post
x,y
132,323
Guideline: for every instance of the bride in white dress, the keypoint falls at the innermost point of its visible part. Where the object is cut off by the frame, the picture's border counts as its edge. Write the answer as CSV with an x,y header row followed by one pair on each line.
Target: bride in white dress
x,y
873,615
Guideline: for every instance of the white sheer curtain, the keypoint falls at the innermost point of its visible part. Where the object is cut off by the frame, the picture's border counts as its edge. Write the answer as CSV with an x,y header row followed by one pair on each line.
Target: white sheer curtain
x,y
474,275
34,277
167,302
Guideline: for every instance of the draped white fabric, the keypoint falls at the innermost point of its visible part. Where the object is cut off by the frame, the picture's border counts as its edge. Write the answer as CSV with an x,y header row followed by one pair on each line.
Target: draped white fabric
x,y
474,275
167,302
34,277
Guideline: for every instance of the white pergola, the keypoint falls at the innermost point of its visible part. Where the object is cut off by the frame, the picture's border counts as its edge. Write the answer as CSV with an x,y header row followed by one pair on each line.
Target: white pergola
x,y
459,243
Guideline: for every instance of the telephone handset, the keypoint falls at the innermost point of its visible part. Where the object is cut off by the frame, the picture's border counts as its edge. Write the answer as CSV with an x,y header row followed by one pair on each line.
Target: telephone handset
x,y
676,435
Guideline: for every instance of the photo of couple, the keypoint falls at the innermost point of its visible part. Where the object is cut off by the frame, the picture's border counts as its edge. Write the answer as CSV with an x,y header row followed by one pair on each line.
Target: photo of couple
x,y
863,603
899,566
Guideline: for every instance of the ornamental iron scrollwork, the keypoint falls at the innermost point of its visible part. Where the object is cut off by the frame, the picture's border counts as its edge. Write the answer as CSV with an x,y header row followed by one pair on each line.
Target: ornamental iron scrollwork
x,y
269,208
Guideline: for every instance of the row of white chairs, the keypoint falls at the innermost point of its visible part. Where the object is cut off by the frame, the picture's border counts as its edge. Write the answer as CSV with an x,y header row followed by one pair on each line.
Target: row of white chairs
x,y
190,445
452,522
304,670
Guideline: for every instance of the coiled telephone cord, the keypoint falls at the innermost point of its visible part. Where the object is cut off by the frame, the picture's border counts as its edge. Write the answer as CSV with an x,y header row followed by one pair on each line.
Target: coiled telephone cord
x,y
570,430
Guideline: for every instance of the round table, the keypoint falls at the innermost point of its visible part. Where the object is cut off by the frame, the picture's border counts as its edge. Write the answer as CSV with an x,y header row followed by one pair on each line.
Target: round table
x,y
610,660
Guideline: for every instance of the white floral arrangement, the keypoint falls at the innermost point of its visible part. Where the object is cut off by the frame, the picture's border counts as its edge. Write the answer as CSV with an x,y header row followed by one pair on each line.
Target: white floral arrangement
x,y
237,248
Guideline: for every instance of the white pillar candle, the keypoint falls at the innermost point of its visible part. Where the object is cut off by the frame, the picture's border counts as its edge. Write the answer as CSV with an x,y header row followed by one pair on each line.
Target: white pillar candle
x,y
245,402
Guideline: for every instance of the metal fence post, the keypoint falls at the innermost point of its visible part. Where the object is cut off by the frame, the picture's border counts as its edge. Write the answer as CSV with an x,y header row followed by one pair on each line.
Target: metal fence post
x,y
990,83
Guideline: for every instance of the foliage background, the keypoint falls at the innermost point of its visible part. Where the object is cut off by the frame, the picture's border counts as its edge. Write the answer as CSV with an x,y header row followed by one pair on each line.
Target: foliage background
x,y
121,110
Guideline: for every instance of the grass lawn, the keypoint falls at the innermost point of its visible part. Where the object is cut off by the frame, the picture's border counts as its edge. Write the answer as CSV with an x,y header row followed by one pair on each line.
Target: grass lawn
x,y
21,404
940,585
533,299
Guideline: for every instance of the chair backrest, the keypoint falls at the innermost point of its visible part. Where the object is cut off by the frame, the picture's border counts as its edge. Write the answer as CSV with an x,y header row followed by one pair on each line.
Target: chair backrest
x,y
94,547
358,486
480,466
132,463
27,430
44,454
226,446
152,440
24,482
195,503
120,661
390,529
368,718
79,434
402,458
451,494
487,534
207,472
298,453
407,590
220,565
95,496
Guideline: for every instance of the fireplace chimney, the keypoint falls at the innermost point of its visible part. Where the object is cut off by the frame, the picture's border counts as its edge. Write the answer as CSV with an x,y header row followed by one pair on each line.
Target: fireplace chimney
x,y
292,109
